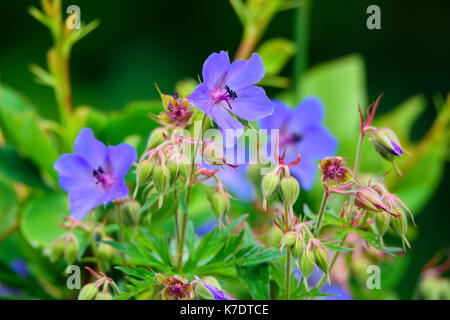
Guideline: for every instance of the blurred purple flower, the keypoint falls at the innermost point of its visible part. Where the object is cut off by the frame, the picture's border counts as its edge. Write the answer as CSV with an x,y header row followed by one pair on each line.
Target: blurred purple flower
x,y
229,88
301,132
206,227
341,293
94,174
20,267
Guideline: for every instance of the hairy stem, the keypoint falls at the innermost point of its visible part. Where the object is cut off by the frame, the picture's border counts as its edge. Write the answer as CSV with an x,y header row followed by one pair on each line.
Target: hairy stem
x,y
189,193
321,213
349,213
287,282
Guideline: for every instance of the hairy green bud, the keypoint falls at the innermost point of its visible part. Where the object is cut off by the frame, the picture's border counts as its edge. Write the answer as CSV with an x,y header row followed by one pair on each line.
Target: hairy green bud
x,y
321,257
144,171
161,178
297,248
382,220
269,184
103,296
88,292
220,204
132,209
307,262
290,189
156,138
71,251
288,239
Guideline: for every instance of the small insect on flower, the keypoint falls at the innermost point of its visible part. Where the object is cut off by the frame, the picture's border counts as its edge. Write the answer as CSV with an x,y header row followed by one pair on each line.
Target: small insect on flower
x,y
228,88
94,174
333,171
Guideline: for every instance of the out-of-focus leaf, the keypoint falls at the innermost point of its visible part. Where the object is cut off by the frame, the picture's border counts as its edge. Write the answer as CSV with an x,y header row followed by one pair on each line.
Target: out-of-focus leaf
x,y
20,125
133,120
8,206
41,217
418,184
340,85
257,280
13,166
275,54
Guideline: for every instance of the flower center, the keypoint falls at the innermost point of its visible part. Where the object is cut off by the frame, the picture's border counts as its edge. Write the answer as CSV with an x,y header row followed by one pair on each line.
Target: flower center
x,y
289,139
102,177
226,96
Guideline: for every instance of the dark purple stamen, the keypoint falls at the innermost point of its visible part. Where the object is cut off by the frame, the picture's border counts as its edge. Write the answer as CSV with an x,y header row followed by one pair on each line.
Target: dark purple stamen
x,y
98,173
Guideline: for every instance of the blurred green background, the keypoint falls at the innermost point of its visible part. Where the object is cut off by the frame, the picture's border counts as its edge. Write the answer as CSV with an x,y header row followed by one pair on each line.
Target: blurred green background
x,y
142,42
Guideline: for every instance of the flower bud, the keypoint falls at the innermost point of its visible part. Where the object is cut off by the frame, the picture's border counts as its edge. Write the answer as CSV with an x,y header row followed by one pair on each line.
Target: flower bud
x,y
297,248
321,257
269,184
307,261
212,152
71,250
288,240
368,199
203,288
132,209
156,138
220,204
290,188
400,225
144,171
103,296
382,220
56,250
161,178
105,251
88,292
386,143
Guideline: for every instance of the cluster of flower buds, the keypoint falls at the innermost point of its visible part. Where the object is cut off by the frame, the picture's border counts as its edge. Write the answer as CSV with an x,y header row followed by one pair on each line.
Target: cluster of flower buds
x,y
159,167
91,291
387,208
65,245
306,249
280,179
175,287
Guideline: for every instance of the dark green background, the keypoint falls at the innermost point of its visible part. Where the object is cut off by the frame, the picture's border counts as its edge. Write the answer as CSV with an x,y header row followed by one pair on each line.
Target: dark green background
x,y
140,42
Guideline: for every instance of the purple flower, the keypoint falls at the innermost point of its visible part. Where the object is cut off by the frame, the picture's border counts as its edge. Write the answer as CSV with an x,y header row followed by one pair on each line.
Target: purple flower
x,y
302,132
229,89
94,174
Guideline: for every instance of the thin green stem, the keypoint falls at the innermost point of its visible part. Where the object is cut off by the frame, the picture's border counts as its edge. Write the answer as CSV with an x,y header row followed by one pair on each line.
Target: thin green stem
x,y
349,213
321,213
287,282
119,224
189,193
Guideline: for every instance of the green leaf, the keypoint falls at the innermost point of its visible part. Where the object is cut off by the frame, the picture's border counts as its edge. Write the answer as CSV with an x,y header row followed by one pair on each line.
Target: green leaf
x,y
275,54
257,280
13,166
20,125
41,217
133,120
340,85
9,203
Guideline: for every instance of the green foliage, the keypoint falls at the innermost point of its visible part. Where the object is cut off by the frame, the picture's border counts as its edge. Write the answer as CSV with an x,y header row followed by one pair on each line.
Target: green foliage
x,y
41,217
22,129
